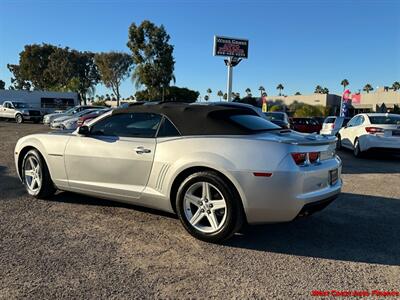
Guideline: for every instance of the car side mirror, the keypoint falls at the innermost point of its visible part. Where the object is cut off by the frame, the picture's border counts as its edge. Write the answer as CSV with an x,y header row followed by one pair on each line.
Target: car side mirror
x,y
84,130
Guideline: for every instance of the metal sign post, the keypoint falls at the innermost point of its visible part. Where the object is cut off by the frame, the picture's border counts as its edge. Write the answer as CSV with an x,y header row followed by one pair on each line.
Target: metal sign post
x,y
235,50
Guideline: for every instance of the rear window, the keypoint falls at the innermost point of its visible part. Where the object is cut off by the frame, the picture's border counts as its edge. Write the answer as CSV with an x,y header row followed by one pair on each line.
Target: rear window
x,y
254,123
385,119
329,120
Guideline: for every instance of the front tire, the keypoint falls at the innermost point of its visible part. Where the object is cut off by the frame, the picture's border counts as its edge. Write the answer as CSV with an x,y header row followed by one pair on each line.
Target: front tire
x,y
19,119
35,176
208,208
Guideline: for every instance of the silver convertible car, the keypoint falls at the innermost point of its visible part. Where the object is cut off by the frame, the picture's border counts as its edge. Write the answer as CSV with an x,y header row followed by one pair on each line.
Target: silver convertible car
x,y
216,166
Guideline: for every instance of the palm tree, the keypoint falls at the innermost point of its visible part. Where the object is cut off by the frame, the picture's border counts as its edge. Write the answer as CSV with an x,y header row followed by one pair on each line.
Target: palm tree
x,y
209,91
297,93
220,94
206,97
318,89
225,96
368,88
325,91
396,86
280,88
262,90
345,83
248,92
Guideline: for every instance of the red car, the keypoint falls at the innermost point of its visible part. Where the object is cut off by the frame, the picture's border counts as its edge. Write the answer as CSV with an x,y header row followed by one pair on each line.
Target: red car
x,y
306,125
88,117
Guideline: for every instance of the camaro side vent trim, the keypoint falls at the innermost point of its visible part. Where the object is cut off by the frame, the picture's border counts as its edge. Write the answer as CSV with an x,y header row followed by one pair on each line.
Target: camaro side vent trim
x,y
161,177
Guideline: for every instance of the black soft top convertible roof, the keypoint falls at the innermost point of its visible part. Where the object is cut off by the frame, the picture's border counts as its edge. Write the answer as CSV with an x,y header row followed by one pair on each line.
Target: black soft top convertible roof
x,y
197,119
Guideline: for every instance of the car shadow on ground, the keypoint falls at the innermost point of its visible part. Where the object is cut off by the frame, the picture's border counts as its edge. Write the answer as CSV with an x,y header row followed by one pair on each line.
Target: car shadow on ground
x,y
73,198
371,163
355,228
10,186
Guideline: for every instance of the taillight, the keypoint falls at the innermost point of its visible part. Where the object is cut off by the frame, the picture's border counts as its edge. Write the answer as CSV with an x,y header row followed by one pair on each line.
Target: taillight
x,y
373,130
332,125
299,158
305,158
313,156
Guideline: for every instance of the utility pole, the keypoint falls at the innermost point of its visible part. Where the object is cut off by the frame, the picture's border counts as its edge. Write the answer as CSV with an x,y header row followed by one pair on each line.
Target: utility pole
x,y
230,63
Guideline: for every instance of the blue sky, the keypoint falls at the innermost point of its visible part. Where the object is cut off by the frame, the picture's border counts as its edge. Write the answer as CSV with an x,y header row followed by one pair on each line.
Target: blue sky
x,y
297,43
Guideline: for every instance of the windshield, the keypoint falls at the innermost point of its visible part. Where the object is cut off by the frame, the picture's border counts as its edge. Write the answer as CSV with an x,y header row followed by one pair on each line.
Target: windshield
x,y
389,119
274,116
71,111
20,105
254,123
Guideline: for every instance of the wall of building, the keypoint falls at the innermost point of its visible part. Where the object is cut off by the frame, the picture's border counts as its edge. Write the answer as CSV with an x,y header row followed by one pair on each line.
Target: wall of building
x,y
313,99
371,99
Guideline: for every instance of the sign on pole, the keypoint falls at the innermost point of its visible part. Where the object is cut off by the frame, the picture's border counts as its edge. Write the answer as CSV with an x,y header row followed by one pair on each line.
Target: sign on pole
x,y
231,47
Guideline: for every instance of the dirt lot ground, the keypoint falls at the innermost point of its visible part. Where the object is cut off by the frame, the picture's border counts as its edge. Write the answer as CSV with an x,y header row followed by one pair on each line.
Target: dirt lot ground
x,y
74,246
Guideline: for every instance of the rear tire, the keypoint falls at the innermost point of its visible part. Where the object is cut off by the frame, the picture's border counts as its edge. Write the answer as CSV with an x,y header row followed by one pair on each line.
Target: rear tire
x,y
35,176
339,142
19,119
208,208
357,151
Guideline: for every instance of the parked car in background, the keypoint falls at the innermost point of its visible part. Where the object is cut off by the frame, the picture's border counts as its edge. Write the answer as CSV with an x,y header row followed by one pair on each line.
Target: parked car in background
x,y
333,124
306,125
72,123
20,112
86,118
279,118
47,119
320,120
149,155
373,131
60,122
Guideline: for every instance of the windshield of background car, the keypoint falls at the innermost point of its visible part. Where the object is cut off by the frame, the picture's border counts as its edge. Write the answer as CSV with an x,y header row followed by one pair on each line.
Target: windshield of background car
x,y
20,105
385,119
274,116
254,123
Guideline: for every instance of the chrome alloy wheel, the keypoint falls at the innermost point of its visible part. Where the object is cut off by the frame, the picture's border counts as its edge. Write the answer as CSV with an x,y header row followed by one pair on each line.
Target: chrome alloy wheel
x,y
205,207
32,174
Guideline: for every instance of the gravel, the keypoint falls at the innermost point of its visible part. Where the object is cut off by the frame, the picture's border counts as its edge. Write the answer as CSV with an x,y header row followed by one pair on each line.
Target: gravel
x,y
74,246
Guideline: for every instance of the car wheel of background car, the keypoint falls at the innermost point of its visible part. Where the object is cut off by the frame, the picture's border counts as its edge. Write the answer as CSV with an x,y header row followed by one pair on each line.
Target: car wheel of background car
x,y
357,151
208,208
339,142
36,176
19,119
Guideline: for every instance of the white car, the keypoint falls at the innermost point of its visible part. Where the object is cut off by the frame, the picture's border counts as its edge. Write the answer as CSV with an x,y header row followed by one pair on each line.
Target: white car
x,y
59,123
333,124
47,119
215,165
371,131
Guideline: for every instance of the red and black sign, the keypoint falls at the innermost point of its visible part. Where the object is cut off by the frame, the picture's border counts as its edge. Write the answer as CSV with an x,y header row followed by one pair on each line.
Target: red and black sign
x,y
224,46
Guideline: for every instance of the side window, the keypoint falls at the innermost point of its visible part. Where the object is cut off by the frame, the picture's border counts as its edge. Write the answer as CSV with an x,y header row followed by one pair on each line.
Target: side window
x,y
360,120
167,129
142,125
353,122
7,105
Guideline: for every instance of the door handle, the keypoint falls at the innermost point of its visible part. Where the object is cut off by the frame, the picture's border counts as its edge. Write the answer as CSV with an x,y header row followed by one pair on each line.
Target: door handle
x,y
141,150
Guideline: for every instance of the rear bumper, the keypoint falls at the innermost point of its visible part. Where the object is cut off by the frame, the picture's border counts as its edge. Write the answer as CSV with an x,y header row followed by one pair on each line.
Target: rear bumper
x,y
369,142
281,197
313,207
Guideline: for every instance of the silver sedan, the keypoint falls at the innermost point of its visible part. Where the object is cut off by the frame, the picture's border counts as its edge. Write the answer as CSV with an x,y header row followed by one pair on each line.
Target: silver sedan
x,y
216,166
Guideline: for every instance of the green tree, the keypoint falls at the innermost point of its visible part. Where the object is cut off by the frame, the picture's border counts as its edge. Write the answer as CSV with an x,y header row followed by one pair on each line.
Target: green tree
x,y
209,91
325,91
306,110
368,87
262,90
280,88
2,85
206,97
225,96
345,83
318,89
220,94
275,108
248,92
153,57
297,94
114,67
396,86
